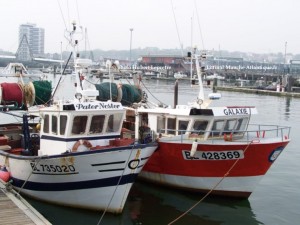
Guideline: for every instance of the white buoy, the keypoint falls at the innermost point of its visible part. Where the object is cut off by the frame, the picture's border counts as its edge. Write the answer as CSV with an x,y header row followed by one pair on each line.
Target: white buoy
x,y
194,148
214,96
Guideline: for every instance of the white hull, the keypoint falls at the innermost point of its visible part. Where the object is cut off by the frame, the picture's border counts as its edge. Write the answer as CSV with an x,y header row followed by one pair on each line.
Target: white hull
x,y
97,180
218,184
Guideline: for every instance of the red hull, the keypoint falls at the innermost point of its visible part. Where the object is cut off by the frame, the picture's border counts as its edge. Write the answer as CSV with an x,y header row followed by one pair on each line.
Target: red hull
x,y
169,159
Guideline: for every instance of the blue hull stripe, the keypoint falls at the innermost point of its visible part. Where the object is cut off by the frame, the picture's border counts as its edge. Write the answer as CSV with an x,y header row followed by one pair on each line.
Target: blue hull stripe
x,y
68,186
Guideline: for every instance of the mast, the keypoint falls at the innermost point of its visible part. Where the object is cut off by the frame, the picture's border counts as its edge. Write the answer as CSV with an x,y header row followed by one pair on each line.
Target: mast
x,y
199,74
191,69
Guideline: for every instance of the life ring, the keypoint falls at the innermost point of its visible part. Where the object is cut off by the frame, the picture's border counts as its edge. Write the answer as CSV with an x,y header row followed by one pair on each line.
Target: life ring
x,y
228,138
80,142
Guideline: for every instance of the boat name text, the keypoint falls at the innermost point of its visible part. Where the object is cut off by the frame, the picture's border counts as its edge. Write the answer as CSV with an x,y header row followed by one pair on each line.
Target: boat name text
x,y
214,155
102,105
239,111
53,169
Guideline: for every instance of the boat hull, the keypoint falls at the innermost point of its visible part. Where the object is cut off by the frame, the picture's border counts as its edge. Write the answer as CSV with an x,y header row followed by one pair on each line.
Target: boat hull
x,y
228,168
96,179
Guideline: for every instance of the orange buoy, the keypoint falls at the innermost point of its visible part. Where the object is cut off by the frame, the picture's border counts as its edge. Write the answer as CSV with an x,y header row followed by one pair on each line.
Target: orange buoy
x,y
4,174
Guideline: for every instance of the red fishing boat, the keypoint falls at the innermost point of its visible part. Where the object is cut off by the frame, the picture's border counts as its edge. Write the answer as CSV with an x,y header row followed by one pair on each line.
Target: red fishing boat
x,y
209,149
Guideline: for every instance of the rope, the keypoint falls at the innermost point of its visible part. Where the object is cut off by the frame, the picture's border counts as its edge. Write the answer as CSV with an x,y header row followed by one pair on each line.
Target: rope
x,y
213,188
102,216
61,77
18,193
77,12
62,14
152,94
199,24
177,28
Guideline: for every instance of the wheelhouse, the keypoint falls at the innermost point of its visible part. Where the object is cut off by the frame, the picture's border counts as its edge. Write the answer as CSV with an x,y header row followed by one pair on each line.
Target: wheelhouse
x,y
67,124
203,124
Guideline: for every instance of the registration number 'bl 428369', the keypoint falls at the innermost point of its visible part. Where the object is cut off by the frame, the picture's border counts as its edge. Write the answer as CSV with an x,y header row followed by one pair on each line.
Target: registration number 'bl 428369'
x,y
214,155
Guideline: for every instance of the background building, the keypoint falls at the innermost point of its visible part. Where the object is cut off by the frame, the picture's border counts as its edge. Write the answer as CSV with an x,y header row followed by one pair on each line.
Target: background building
x,y
31,42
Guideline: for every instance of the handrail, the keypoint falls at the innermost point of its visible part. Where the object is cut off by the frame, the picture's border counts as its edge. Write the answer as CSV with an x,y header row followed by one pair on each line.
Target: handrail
x,y
255,131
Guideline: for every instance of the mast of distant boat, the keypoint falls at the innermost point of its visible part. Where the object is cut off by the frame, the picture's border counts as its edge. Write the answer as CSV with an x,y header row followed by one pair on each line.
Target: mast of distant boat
x,y
199,73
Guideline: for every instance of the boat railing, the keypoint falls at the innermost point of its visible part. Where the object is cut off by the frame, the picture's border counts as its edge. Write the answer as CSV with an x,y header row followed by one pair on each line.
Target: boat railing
x,y
254,132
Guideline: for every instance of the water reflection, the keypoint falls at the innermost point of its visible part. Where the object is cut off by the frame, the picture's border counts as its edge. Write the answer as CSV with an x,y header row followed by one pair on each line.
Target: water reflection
x,y
162,206
287,108
154,205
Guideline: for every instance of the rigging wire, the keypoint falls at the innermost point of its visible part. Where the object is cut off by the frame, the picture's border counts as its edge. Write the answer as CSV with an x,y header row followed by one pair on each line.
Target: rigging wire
x,y
118,183
62,15
58,83
77,12
177,29
214,187
199,25
152,94
68,12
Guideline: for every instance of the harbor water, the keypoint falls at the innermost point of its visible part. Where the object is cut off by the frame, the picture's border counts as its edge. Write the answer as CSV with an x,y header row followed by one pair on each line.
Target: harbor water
x,y
275,201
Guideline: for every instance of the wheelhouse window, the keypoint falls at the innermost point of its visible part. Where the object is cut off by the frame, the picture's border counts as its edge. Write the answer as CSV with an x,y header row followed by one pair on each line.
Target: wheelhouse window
x,y
62,124
171,126
199,126
97,124
241,124
46,124
79,124
160,124
54,124
114,122
229,126
217,127
182,126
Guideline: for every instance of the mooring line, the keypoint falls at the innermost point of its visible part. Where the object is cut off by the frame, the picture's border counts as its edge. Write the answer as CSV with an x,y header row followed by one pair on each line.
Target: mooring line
x,y
214,187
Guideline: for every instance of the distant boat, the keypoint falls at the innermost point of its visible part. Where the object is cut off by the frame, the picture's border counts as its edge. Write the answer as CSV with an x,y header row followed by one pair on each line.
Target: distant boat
x,y
18,70
180,75
214,76
20,88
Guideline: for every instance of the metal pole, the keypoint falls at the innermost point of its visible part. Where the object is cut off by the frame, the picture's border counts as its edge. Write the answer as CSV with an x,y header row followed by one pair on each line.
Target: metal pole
x,y
131,29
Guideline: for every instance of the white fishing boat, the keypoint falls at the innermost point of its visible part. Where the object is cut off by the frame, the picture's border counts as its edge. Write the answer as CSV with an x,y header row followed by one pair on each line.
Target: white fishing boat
x,y
214,76
17,70
76,155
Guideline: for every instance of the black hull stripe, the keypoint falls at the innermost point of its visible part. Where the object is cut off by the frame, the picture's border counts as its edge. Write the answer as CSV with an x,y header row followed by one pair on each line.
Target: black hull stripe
x,y
68,186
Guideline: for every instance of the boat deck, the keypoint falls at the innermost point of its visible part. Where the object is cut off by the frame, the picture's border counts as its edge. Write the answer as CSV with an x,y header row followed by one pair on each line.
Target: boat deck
x,y
16,211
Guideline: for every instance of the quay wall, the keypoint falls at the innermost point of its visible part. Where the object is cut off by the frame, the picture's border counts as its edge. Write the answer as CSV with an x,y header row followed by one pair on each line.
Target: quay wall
x,y
258,91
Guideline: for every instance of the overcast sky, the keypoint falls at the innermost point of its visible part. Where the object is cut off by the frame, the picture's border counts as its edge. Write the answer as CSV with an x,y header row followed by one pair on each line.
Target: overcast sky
x,y
261,26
